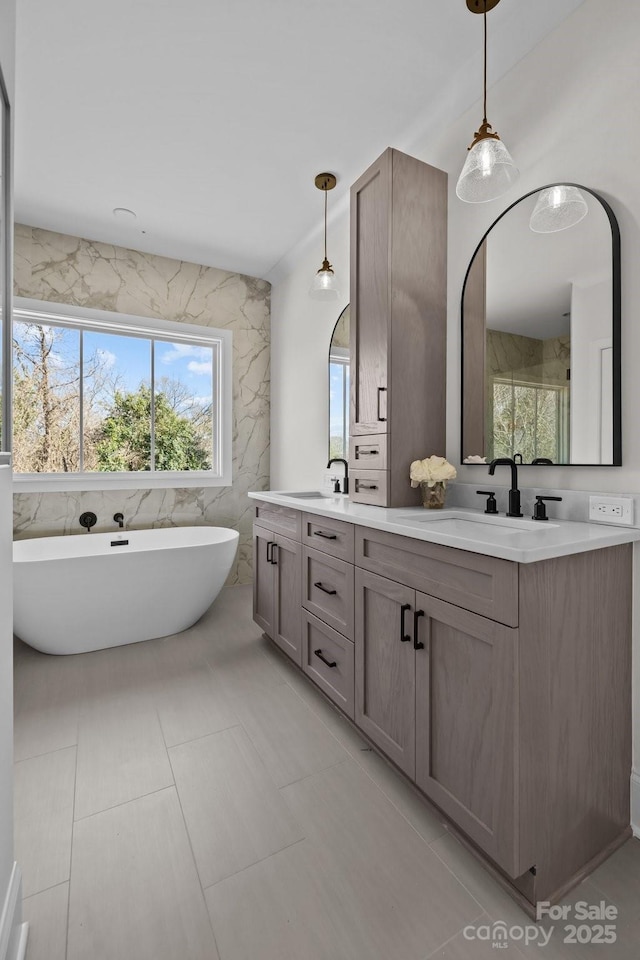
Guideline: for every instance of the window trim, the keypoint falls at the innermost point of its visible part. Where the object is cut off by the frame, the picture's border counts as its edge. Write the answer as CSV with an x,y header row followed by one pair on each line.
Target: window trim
x,y
39,311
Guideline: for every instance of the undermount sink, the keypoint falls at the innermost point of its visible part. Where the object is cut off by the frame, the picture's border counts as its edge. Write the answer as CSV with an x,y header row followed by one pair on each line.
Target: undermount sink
x,y
308,495
465,524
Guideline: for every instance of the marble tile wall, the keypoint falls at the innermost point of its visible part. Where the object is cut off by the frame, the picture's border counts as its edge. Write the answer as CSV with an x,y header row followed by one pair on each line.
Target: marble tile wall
x,y
64,269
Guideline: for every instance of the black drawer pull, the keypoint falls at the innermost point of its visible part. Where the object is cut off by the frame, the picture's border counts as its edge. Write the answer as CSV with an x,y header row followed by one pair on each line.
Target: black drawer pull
x,y
417,644
329,663
365,486
270,547
331,593
403,609
380,390
367,453
325,536
274,554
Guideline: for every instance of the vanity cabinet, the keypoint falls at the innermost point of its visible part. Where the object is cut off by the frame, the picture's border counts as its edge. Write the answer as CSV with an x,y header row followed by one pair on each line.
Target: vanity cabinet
x,y
500,689
398,325
386,667
436,690
467,722
277,592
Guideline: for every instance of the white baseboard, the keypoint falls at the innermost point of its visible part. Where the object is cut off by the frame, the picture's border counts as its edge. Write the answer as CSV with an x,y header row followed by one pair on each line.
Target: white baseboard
x,y
13,933
635,803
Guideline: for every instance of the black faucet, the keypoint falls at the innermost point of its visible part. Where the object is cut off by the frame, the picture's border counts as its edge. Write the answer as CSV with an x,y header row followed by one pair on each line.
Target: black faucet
x,y
119,519
345,485
514,493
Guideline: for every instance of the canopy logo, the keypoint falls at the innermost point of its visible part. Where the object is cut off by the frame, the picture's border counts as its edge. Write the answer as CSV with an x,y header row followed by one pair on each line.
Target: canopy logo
x,y
582,923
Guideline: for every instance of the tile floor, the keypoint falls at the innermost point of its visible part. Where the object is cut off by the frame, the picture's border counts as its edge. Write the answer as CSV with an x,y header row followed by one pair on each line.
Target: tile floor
x,y
195,798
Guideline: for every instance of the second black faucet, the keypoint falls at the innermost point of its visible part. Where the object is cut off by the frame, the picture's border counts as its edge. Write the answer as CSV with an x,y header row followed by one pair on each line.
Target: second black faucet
x,y
514,493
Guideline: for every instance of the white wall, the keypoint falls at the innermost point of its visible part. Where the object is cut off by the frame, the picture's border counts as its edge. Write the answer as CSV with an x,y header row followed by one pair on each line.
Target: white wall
x,y
567,111
591,351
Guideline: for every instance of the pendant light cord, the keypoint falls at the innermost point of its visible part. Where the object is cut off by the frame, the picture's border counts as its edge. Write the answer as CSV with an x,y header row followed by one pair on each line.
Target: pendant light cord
x,y
485,61
325,224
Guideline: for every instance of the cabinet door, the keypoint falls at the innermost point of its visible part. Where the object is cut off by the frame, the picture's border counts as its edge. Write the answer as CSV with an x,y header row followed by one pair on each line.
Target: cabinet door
x,y
385,666
287,597
370,311
466,724
263,579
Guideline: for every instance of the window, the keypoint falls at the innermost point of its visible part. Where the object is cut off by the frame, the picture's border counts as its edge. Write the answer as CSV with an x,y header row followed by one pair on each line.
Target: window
x,y
103,399
531,419
339,403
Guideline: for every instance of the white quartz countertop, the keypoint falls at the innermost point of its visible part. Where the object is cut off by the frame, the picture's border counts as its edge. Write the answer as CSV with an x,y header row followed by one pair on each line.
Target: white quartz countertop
x,y
523,541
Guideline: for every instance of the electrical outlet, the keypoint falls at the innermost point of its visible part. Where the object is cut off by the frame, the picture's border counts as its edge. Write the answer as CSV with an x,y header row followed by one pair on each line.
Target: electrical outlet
x,y
611,510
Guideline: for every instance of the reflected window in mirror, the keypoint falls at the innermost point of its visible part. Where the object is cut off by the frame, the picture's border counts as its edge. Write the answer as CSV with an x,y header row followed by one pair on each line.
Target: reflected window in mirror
x,y
541,340
339,388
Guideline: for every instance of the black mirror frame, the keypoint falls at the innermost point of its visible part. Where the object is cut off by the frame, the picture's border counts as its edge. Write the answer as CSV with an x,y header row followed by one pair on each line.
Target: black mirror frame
x,y
615,322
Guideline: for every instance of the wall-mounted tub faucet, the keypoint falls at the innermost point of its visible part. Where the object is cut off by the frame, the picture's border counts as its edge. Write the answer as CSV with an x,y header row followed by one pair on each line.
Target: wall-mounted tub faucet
x,y
88,520
119,519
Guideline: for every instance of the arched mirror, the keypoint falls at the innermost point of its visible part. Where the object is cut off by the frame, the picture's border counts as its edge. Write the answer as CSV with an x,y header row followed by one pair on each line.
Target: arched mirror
x,y
541,333
339,388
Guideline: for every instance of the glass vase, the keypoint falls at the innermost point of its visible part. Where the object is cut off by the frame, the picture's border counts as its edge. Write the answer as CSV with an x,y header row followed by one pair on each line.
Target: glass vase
x,y
433,497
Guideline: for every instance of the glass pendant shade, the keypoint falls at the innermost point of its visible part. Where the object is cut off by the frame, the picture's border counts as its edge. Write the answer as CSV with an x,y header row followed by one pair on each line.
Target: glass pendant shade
x,y
489,171
558,208
324,285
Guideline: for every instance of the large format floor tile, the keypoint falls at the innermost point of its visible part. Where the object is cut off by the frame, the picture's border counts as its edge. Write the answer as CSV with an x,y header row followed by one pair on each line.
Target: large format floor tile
x,y
618,879
46,914
392,880
47,695
134,886
288,737
121,752
43,818
234,814
289,907
190,700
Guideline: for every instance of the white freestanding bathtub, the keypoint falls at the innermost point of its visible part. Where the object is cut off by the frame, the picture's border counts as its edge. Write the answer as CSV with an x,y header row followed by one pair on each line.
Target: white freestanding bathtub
x,y
84,592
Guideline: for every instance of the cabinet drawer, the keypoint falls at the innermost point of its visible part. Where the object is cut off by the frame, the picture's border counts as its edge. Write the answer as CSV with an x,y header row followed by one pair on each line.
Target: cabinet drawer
x,y
327,590
330,536
282,520
327,657
484,585
368,453
369,486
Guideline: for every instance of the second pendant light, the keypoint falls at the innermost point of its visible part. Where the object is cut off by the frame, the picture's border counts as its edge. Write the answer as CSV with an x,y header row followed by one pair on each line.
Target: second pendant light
x,y
489,170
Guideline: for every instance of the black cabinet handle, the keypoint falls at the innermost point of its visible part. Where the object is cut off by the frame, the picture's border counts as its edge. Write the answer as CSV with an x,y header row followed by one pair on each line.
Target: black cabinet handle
x,y
325,536
365,486
329,663
331,593
270,547
403,609
274,554
380,390
417,644
367,453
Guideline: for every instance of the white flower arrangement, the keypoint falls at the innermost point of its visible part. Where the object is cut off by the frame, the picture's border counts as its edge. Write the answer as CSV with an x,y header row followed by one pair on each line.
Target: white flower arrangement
x,y
431,471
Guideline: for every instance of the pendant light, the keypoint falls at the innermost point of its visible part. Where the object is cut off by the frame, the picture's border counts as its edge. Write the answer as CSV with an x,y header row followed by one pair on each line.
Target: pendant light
x,y
558,208
324,283
489,170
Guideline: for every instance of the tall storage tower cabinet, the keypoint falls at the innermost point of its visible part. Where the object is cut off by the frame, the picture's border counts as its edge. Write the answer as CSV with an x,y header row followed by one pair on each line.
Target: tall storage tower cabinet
x,y
398,326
